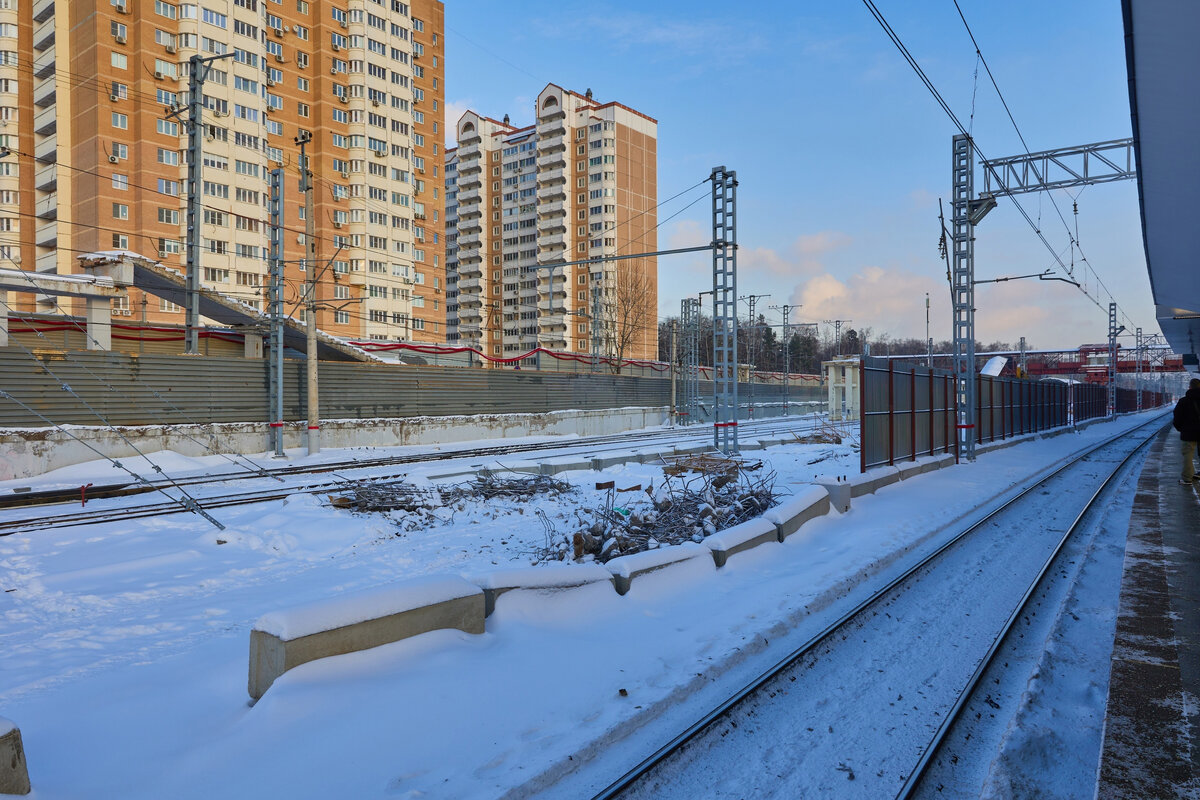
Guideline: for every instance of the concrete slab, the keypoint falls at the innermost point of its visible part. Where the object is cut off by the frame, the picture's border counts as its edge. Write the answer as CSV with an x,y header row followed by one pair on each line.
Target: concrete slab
x,y
692,449
789,515
626,568
612,458
14,773
744,536
881,477
285,639
545,580
910,469
751,444
521,466
653,455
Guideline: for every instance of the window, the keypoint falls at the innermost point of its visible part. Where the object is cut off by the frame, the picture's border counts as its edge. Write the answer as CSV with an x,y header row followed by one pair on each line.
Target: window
x,y
342,317
164,9
120,211
167,68
213,18
215,275
302,84
167,127
119,60
168,156
118,29
120,182
120,241
168,187
120,150
169,216
120,121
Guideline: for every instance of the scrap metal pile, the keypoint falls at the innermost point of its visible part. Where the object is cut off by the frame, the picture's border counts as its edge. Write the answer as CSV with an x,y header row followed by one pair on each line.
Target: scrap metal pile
x,y
367,495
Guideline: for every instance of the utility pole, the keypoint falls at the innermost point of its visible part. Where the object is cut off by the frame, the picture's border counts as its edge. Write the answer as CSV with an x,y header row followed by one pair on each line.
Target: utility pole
x,y
1024,362
198,68
674,368
837,333
725,318
787,353
752,333
1139,368
1114,330
310,296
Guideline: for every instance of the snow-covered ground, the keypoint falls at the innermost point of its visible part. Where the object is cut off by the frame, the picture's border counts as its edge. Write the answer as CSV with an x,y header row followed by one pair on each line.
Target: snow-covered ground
x,y
125,644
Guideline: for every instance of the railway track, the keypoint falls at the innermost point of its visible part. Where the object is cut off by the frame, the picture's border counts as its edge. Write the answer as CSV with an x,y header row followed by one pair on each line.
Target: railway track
x,y
901,664
282,487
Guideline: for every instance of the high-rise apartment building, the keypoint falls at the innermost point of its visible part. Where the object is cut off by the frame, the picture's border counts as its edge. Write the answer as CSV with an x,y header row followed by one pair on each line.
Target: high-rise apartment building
x,y
580,183
95,161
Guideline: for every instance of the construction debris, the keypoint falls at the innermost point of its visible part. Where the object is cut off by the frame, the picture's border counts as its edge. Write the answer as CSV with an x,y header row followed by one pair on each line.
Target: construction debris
x,y
831,433
367,495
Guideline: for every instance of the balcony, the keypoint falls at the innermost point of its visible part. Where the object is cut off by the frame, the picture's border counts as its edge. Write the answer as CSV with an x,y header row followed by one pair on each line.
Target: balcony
x,y
47,263
46,151
552,224
45,121
556,126
555,208
552,241
551,176
469,222
471,241
555,191
466,182
467,151
469,286
44,93
43,65
470,268
47,207
43,10
47,235
468,198
46,178
469,305
551,160
551,143
43,34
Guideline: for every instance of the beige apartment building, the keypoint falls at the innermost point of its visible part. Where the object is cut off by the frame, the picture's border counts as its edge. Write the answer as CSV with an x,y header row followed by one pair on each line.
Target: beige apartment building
x,y
578,184
94,162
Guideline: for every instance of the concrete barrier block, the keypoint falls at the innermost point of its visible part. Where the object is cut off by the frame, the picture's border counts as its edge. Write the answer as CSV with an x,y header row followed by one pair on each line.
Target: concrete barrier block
x,y
612,459
626,568
789,515
553,466
517,465
910,469
743,536
653,455
14,774
544,580
881,477
282,640
839,493
751,444
450,474
692,449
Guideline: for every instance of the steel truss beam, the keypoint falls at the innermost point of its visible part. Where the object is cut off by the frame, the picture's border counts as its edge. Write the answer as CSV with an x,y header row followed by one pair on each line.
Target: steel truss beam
x,y
1063,168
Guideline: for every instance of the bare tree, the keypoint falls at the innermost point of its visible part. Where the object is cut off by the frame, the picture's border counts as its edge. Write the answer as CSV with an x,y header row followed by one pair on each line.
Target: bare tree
x,y
629,313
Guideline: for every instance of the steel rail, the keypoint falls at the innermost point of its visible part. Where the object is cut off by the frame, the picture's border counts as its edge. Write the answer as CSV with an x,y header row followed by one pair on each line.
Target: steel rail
x,y
630,777
915,777
44,522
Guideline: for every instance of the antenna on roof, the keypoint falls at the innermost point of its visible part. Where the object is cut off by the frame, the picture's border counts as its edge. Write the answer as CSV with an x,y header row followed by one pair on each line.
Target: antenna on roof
x,y
588,94
506,119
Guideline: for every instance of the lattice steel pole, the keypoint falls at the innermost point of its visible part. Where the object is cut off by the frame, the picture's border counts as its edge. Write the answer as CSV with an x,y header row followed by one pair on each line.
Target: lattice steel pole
x,y
689,313
1140,344
962,290
275,366
725,323
1113,330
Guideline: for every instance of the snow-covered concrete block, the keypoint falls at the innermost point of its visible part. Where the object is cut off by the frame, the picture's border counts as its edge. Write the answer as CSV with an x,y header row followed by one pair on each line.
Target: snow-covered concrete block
x,y
910,469
876,478
625,568
742,536
751,444
553,466
653,455
521,466
450,474
285,639
839,494
612,459
798,509
692,449
544,580
14,774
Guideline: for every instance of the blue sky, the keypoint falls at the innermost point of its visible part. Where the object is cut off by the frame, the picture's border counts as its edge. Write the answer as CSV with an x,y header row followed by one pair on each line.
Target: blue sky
x,y
840,152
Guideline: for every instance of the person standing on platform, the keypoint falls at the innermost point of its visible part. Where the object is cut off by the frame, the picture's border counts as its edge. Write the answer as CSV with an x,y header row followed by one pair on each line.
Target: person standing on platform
x,y
1187,422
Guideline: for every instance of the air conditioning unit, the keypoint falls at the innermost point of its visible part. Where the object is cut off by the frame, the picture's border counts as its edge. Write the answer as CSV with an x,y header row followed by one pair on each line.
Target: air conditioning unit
x,y
162,253
120,37
333,70
379,154
122,8
375,103
16,259
114,97
337,224
345,173
158,76
170,48
336,48
343,98
113,159
280,59
270,109
122,312
343,23
270,82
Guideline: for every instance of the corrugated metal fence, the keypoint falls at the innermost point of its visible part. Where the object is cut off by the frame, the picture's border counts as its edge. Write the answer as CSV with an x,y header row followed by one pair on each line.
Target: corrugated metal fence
x,y
907,411
127,389
910,410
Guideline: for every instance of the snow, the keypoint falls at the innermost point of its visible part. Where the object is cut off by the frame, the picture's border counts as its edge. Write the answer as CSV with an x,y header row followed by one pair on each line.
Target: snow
x,y
126,643
7,726
741,533
550,576
349,609
796,504
626,566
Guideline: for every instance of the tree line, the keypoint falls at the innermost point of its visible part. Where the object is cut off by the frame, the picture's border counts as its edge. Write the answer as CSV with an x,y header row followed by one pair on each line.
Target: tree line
x,y
802,348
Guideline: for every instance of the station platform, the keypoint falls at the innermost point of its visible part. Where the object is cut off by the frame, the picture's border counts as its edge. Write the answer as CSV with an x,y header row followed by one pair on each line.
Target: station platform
x,y
1153,711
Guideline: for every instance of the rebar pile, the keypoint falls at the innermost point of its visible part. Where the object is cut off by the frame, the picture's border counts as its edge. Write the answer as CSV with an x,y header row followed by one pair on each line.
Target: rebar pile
x,y
684,508
367,495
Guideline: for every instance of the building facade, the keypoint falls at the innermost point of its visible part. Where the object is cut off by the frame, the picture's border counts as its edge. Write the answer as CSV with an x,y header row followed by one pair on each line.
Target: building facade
x,y
578,184
95,161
